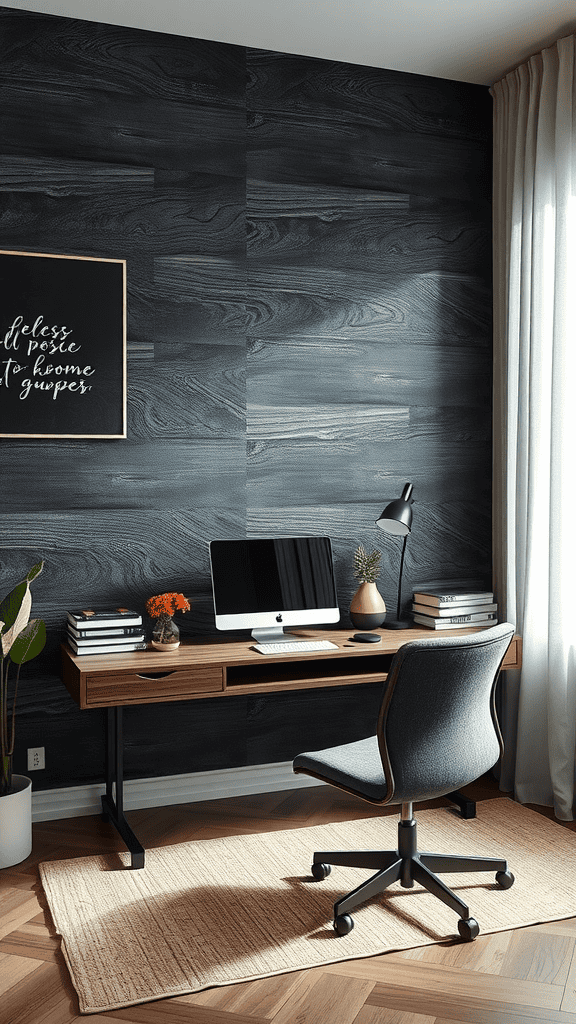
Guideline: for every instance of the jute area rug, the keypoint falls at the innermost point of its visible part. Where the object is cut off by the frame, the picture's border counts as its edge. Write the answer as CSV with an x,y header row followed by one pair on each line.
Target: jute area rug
x,y
219,911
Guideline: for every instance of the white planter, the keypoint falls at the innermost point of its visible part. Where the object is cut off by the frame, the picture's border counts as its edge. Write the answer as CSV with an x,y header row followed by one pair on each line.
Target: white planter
x,y
16,822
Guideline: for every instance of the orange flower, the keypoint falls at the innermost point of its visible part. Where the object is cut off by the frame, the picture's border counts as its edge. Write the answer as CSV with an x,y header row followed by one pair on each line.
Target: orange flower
x,y
166,604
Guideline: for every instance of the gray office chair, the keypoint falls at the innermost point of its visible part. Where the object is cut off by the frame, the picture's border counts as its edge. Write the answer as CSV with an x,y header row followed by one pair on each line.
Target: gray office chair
x,y
437,731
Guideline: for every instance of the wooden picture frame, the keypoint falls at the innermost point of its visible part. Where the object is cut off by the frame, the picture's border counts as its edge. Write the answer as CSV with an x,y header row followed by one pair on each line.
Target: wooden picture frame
x,y
62,346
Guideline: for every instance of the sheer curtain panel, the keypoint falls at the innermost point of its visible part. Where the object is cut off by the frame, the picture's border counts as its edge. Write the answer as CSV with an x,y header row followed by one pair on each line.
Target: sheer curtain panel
x,y
535,418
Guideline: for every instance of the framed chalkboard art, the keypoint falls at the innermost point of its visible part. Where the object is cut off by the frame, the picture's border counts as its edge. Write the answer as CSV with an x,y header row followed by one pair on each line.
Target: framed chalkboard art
x,y
62,346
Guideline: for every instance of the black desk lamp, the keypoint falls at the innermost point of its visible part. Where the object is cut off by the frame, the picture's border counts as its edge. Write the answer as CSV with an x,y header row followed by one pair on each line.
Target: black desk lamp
x,y
397,518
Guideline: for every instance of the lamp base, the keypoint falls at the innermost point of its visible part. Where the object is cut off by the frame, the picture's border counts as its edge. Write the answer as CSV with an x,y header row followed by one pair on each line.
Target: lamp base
x,y
397,624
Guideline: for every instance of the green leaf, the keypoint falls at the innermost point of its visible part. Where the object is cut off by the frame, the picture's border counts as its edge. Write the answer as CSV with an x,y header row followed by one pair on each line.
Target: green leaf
x,y
35,571
15,609
29,642
10,606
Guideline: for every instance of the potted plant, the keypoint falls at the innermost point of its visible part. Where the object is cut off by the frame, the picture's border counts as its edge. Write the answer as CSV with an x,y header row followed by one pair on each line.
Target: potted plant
x,y
367,608
22,639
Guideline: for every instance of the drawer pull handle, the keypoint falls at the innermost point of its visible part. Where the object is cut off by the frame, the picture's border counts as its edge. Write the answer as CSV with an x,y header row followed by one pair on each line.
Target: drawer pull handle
x,y
155,675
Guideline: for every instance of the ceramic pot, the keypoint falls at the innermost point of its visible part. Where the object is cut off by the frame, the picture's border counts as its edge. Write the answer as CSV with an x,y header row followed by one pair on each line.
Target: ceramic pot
x,y
367,608
16,822
165,635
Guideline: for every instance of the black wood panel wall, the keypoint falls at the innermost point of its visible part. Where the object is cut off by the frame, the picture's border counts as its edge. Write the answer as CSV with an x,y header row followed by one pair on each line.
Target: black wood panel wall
x,y
309,301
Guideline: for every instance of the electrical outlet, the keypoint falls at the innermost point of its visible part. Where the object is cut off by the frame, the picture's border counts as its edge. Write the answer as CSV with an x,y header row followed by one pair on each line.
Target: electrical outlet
x,y
36,759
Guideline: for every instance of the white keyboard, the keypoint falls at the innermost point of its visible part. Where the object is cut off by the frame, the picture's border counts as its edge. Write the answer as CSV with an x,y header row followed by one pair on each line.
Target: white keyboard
x,y
296,647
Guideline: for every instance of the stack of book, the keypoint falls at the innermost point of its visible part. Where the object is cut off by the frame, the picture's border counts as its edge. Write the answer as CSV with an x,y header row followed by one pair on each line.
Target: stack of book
x,y
113,631
440,609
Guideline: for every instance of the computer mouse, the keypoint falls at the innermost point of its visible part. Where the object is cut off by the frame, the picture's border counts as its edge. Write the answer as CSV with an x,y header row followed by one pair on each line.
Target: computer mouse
x,y
367,638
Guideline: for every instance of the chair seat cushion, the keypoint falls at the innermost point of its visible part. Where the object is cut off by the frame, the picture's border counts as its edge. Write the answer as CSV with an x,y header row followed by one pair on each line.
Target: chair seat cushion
x,y
354,766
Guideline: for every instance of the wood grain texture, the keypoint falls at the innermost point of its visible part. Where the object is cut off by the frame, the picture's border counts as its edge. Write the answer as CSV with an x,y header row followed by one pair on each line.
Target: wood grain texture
x,y
301,300
308,270
163,473
118,555
378,97
360,228
321,997
312,474
93,207
201,739
189,391
201,297
15,908
279,728
142,96
382,373
204,735
129,127
195,212
130,62
304,147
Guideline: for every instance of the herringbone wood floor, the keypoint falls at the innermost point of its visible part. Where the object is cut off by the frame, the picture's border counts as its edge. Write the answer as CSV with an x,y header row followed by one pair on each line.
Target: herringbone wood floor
x,y
516,977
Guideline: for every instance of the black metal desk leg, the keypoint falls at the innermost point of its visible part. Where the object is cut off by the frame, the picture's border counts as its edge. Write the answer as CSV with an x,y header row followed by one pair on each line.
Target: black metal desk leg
x,y
467,806
113,798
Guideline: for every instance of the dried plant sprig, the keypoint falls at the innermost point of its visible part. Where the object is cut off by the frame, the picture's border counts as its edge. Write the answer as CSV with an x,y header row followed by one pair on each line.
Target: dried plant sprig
x,y
166,604
367,566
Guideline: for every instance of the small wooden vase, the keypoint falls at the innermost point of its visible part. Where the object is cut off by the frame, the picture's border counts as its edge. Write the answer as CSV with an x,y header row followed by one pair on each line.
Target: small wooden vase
x,y
367,609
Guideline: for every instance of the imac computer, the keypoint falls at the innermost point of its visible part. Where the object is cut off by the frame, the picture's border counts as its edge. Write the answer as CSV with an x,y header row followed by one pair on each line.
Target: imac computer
x,y
264,585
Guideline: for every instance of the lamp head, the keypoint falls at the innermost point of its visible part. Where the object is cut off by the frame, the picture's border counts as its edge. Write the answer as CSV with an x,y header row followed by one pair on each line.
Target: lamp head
x,y
397,516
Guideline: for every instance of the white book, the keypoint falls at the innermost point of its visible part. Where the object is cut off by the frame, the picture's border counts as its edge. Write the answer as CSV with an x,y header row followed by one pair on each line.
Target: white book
x,y
453,621
454,609
109,649
445,598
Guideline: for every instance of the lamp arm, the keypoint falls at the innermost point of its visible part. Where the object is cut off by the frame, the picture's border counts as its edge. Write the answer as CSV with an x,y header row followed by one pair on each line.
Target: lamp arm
x,y
399,608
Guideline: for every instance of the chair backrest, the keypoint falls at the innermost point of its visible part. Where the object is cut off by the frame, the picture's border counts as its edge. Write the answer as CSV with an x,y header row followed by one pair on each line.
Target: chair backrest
x,y
437,728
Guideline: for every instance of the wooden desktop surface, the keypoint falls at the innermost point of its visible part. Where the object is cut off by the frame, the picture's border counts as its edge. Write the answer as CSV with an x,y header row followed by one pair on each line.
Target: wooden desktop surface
x,y
222,667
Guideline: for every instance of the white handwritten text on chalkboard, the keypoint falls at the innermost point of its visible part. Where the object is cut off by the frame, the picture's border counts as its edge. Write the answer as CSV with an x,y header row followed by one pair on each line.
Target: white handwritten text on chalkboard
x,y
37,341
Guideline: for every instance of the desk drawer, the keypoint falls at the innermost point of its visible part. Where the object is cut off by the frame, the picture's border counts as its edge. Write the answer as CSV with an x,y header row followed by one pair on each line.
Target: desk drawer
x,y
142,687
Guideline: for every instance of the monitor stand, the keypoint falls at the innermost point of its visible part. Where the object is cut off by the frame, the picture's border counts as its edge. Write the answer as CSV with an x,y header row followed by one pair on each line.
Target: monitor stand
x,y
272,635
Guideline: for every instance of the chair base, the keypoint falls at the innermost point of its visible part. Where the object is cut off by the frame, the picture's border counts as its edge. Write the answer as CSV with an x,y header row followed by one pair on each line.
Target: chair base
x,y
407,865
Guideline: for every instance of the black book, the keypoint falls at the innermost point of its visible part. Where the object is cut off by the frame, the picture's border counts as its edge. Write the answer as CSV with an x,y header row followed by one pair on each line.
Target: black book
x,y
89,619
106,632
103,641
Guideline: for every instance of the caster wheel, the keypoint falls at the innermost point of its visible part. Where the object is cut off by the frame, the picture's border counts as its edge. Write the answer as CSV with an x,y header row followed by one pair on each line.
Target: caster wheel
x,y
468,928
320,871
343,924
505,879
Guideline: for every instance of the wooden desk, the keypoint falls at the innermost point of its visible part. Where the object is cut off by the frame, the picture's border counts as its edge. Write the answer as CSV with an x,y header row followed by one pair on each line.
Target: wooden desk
x,y
218,668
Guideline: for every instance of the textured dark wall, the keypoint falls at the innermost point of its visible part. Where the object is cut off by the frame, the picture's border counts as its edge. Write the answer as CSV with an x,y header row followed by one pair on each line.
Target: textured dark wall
x,y
309,300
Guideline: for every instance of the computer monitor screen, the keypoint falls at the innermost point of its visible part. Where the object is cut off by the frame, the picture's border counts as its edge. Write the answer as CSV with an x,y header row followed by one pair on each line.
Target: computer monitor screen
x,y
264,585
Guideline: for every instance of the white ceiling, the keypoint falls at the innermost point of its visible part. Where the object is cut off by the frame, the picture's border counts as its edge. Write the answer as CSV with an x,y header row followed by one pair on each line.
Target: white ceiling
x,y
465,40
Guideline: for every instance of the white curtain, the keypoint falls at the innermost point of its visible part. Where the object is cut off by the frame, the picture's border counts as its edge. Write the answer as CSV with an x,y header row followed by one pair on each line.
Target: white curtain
x,y
535,419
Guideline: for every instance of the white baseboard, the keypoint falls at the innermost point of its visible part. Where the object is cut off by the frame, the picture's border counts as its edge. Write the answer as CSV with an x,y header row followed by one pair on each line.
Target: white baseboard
x,y
75,801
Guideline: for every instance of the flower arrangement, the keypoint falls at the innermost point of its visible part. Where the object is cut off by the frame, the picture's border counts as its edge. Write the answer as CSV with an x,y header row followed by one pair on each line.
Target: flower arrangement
x,y
166,604
22,639
162,607
367,566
